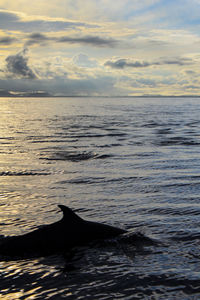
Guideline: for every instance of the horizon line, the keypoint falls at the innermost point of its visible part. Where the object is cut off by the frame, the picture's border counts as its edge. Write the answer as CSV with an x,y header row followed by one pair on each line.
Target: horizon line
x,y
97,96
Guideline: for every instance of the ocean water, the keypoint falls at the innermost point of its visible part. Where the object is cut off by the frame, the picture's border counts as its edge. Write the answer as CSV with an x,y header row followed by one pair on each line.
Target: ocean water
x,y
130,162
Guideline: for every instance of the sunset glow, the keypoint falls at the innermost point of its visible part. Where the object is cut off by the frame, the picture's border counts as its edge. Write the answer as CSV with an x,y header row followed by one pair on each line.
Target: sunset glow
x,y
103,47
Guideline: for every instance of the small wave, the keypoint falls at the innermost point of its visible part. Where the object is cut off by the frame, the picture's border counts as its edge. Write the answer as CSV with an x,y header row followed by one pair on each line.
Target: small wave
x,y
96,135
185,236
194,123
152,124
173,141
137,239
142,154
92,180
103,156
116,134
83,180
10,138
61,140
110,145
164,131
71,156
22,173
187,286
180,184
174,211
75,156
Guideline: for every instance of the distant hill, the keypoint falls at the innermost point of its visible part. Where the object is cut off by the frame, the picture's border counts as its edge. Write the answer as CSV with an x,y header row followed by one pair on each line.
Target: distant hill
x,y
4,93
34,94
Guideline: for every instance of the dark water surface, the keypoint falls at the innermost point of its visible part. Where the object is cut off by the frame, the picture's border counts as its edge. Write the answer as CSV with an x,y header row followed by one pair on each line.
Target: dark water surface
x,y
129,162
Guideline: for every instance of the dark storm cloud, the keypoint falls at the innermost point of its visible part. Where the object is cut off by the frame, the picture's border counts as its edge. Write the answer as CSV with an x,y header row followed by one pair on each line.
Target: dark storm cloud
x,y
17,66
37,38
90,40
14,21
96,41
7,40
125,63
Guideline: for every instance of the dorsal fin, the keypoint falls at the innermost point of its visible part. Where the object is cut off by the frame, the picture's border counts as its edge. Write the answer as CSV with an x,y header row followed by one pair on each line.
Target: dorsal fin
x,y
68,214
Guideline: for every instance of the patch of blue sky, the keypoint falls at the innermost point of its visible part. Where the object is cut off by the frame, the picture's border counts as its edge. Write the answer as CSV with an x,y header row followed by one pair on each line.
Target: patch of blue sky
x,y
169,13
181,13
141,11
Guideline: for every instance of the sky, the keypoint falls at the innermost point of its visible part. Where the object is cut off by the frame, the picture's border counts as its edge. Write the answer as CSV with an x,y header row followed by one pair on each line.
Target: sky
x,y
100,47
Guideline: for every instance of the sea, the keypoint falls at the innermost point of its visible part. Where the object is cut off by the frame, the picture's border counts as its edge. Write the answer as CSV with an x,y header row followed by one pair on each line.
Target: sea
x,y
129,162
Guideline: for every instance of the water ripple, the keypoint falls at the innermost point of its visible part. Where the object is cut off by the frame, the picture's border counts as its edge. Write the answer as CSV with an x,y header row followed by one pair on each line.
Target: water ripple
x,y
23,173
130,161
73,156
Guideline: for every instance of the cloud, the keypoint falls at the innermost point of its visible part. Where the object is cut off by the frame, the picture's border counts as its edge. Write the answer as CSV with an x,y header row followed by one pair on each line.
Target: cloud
x,y
83,60
125,63
101,85
8,17
90,40
17,21
190,72
179,62
77,9
7,40
37,38
17,66
147,82
96,41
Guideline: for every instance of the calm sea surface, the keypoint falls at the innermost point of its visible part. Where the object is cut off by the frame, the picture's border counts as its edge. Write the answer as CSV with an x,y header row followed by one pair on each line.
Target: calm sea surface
x,y
129,162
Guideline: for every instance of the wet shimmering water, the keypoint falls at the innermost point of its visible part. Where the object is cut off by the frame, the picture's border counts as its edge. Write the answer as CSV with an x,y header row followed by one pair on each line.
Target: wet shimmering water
x,y
130,162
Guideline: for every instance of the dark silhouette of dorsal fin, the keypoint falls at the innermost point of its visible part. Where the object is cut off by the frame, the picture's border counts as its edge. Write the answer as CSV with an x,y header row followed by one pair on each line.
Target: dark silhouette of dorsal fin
x,y
68,214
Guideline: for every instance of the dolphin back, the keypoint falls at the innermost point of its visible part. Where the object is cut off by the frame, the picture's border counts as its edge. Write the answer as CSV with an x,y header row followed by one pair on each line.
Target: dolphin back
x,y
62,235
97,230
69,215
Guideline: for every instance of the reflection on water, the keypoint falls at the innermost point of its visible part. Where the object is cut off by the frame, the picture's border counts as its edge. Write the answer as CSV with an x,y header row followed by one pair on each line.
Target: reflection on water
x,y
132,163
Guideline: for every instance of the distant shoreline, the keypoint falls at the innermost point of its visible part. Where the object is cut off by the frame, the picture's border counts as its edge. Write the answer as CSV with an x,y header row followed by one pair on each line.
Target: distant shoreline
x,y
79,96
